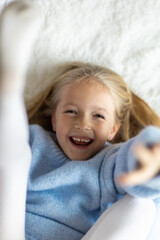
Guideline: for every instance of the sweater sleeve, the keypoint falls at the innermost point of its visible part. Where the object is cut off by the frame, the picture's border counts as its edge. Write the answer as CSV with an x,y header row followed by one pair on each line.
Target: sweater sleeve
x,y
121,159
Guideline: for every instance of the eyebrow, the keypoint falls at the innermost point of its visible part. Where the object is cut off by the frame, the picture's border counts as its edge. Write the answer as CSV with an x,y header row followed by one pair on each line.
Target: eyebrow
x,y
102,109
69,105
94,107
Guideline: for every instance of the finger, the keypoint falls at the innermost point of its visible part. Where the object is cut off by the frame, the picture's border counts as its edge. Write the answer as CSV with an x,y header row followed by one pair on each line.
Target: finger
x,y
139,176
156,149
143,154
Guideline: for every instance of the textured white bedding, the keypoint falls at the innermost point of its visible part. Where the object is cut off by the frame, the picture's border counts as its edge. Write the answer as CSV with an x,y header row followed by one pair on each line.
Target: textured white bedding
x,y
122,35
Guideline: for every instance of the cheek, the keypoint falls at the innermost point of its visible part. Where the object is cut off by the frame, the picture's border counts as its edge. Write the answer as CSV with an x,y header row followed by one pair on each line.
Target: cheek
x,y
63,127
103,131
61,136
60,130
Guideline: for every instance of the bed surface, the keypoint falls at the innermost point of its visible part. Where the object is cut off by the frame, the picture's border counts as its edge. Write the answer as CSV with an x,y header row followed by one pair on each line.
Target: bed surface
x,y
122,35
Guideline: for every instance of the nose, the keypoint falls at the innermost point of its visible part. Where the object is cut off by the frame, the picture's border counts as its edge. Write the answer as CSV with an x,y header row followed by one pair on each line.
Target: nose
x,y
83,123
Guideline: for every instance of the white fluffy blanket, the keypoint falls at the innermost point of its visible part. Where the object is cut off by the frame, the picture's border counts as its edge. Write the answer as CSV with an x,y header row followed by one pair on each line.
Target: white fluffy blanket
x,y
122,35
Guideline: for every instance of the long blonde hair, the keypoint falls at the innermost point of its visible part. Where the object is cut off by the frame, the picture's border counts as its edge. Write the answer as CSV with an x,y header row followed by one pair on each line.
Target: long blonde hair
x,y
131,112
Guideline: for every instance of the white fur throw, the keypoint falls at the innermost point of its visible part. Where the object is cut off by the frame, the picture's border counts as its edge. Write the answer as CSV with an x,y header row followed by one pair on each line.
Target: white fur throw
x,y
122,35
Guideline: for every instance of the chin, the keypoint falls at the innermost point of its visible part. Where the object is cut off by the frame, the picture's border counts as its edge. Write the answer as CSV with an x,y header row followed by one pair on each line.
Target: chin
x,y
80,158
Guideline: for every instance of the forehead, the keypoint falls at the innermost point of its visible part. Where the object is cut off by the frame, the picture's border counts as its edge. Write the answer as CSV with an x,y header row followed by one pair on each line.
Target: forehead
x,y
83,87
91,92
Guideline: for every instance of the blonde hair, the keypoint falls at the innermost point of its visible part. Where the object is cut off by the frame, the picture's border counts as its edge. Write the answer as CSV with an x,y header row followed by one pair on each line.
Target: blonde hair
x,y
131,112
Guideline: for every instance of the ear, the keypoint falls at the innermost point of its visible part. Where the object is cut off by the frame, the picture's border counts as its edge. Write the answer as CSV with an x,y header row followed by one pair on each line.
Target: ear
x,y
114,131
53,121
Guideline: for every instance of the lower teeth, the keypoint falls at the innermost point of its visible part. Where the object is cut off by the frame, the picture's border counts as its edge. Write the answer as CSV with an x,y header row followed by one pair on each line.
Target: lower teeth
x,y
81,144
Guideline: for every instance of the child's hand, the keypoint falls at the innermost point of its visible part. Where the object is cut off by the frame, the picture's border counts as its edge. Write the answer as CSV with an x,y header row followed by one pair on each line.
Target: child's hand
x,y
149,160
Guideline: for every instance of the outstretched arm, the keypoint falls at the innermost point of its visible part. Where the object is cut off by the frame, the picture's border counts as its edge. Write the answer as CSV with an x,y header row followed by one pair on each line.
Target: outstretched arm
x,y
126,170
141,165
19,23
149,166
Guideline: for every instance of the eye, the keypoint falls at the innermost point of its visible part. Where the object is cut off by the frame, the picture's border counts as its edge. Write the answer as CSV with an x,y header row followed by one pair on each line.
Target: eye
x,y
99,116
71,111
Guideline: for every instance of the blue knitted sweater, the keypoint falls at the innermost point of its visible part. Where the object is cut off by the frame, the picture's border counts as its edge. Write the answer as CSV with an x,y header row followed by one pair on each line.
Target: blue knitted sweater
x,y
65,198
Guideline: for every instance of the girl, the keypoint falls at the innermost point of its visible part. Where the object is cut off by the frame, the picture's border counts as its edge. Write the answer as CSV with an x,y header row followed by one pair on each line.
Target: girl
x,y
75,173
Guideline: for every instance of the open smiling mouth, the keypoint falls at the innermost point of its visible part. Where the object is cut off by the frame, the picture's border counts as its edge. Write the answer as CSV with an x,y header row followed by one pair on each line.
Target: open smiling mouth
x,y
81,142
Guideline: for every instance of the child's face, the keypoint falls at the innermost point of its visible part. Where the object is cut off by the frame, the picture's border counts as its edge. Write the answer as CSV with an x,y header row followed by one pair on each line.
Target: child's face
x,y
84,119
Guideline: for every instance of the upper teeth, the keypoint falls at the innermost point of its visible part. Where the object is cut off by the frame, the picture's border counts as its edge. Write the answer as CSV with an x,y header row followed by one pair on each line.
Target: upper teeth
x,y
81,140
